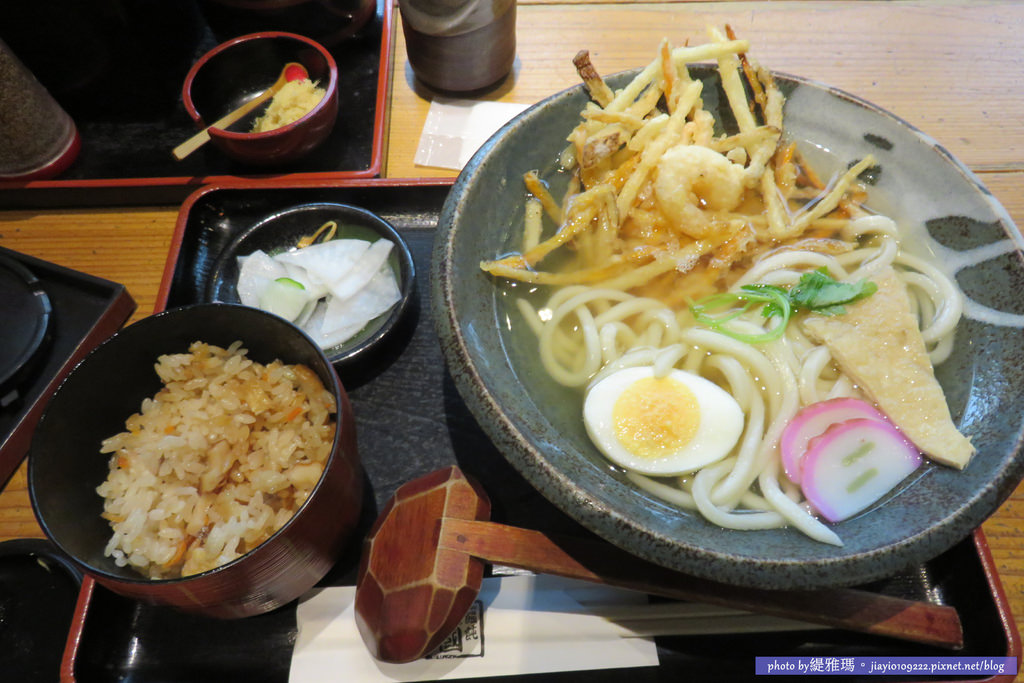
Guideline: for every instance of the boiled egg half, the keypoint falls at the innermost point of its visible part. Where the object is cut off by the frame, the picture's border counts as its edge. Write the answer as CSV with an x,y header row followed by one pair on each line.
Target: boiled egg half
x,y
661,426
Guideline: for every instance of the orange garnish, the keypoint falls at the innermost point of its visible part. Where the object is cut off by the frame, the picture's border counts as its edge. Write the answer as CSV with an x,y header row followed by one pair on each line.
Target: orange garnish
x,y
179,554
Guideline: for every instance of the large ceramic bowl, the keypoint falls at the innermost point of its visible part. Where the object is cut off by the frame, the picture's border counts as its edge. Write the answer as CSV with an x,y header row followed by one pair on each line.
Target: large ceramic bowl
x,y
537,424
65,465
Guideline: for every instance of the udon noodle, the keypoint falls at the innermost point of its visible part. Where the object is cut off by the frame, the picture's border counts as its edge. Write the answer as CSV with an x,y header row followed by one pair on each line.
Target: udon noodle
x,y
630,262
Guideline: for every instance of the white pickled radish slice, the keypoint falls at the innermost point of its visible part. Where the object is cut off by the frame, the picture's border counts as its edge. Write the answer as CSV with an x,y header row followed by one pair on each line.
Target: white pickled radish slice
x,y
313,284
343,318
853,464
370,263
812,421
327,262
307,313
255,273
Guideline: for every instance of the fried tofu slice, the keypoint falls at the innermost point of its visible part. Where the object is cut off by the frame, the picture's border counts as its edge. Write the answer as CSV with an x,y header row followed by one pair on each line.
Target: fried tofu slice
x,y
878,344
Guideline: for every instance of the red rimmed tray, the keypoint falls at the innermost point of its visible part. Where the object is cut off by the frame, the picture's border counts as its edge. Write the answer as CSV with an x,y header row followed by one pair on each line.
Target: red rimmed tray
x,y
113,638
126,157
411,420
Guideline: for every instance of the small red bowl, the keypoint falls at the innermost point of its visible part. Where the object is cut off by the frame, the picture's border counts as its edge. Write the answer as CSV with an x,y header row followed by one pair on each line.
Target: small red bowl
x,y
65,465
237,70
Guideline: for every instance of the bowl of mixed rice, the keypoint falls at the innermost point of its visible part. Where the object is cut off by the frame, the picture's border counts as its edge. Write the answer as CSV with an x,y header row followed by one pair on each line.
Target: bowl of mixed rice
x,y
203,458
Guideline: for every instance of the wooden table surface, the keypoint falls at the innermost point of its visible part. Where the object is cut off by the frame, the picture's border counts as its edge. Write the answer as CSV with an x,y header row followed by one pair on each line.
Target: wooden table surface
x,y
951,68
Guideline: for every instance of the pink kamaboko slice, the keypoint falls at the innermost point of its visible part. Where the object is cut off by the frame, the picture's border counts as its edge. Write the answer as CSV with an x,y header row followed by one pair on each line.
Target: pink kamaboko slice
x,y
854,464
812,421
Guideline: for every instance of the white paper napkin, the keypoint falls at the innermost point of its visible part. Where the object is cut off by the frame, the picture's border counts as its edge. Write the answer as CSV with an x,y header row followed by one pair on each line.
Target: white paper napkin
x,y
455,130
519,625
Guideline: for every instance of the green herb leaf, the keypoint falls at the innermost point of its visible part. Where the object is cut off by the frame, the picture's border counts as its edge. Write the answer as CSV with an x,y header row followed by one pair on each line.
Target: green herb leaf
x,y
816,291
819,292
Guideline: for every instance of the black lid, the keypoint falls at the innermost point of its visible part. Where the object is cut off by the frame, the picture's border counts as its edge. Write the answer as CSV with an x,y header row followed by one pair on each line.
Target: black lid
x,y
25,316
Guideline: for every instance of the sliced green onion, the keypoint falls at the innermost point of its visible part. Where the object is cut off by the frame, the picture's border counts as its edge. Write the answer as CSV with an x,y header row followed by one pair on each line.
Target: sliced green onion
x,y
774,299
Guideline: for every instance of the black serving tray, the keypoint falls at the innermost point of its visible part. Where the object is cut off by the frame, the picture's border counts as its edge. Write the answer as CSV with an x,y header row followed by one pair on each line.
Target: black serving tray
x,y
130,124
411,420
85,311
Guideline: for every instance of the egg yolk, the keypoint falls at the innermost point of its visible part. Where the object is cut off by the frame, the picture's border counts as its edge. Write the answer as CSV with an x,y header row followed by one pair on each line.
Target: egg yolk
x,y
656,417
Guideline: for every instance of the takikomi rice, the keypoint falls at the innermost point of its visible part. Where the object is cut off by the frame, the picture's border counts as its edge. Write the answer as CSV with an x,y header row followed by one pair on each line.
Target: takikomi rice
x,y
216,462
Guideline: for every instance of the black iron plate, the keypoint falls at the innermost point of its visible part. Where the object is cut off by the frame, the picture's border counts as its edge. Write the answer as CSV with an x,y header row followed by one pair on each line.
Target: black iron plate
x,y
85,311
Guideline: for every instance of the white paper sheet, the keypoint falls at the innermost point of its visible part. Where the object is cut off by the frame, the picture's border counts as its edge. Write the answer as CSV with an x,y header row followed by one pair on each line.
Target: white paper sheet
x,y
455,130
525,624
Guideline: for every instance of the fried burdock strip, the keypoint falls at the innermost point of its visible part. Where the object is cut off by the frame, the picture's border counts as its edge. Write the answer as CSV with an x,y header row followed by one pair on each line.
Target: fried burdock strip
x,y
618,143
749,71
598,89
538,189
